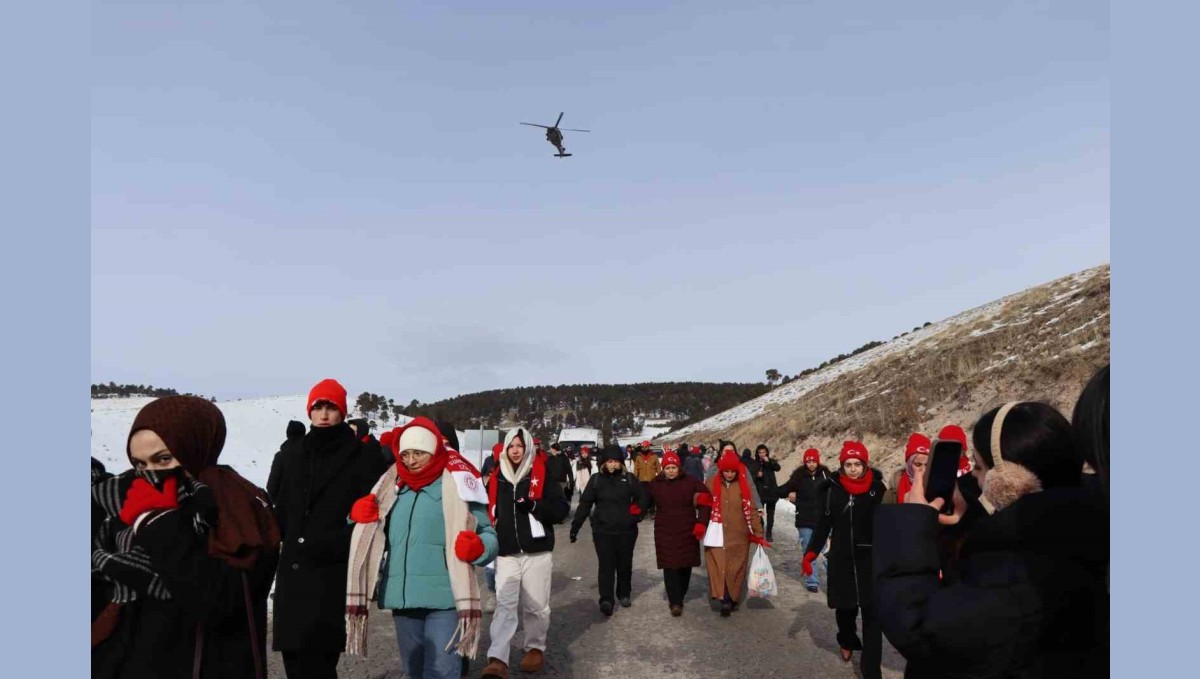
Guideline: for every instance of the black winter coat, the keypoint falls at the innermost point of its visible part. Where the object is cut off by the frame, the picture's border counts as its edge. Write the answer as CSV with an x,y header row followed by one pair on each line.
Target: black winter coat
x,y
607,499
513,531
558,468
851,518
317,479
693,465
809,492
1030,600
766,484
157,639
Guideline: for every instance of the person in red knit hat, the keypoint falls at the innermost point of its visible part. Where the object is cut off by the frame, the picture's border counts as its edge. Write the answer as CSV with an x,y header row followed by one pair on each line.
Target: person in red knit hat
x,y
916,456
683,506
803,489
853,494
734,525
315,479
431,510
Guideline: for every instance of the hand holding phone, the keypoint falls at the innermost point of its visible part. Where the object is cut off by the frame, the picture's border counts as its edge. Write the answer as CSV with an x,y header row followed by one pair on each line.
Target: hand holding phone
x,y
941,472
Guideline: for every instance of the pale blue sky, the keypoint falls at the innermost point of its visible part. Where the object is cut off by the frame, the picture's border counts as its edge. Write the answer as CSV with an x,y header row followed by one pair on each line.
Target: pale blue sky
x,y
285,191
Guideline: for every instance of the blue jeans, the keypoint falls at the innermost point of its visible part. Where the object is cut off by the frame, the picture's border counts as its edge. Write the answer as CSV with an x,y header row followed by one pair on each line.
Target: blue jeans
x,y
810,581
422,634
490,575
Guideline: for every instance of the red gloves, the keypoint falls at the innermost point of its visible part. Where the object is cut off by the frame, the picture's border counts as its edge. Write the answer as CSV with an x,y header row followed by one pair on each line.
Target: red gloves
x,y
756,540
144,497
365,510
634,509
809,558
468,546
698,531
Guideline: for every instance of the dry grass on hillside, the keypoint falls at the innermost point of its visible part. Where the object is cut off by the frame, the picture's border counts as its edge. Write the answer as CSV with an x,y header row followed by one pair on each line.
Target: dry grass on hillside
x,y
1043,345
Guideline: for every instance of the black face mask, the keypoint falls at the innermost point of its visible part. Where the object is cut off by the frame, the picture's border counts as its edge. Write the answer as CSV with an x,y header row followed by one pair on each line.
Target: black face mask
x,y
158,477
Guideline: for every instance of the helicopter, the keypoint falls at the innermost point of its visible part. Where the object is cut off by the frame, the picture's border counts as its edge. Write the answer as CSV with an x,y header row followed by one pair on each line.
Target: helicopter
x,y
555,137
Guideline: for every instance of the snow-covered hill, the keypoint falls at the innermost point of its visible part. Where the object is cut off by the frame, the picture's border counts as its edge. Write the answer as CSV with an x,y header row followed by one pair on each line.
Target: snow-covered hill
x,y
255,428
1039,344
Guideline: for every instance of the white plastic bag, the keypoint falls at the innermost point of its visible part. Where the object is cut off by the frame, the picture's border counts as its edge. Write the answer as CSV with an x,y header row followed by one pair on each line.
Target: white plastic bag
x,y
762,577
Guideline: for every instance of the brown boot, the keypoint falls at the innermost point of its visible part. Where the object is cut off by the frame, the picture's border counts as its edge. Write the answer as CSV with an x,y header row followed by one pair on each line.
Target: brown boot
x,y
495,669
532,662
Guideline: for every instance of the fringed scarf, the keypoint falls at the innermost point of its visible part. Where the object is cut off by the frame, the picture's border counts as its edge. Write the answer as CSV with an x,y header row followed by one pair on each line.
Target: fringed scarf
x,y
368,543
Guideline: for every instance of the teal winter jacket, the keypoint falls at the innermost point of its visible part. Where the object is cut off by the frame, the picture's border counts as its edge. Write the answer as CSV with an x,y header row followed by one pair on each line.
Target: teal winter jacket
x,y
415,574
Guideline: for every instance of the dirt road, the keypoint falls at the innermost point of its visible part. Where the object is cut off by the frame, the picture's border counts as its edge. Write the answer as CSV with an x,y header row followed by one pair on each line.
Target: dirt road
x,y
791,636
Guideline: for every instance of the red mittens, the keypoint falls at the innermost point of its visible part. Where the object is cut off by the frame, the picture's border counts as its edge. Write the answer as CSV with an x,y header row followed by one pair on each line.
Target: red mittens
x,y
698,531
634,509
704,500
809,558
468,546
143,497
756,540
365,510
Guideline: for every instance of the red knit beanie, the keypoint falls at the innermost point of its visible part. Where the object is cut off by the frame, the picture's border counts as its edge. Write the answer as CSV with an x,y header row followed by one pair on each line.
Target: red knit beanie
x,y
953,432
670,458
385,439
328,390
812,454
729,462
918,444
854,450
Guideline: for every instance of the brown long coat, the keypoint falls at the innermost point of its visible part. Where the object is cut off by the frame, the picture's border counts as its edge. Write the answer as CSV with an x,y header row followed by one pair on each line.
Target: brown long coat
x,y
727,565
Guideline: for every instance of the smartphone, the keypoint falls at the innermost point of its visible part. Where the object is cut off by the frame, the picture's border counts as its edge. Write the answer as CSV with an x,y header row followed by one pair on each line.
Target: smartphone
x,y
941,472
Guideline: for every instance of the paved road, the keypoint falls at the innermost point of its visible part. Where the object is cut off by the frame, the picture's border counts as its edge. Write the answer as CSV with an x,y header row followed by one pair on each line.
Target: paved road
x,y
791,636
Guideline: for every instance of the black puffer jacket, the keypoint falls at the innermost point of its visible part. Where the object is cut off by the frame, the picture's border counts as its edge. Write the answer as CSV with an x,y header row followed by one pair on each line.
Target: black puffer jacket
x,y
607,500
810,494
513,530
1031,598
851,518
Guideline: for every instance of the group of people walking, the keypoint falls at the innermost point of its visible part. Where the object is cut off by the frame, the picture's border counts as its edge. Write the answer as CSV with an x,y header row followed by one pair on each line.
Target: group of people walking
x,y
1011,579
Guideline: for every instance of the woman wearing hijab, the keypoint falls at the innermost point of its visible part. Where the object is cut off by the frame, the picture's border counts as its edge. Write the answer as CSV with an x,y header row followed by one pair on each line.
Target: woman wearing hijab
x,y
423,530
734,526
682,505
852,495
188,548
916,456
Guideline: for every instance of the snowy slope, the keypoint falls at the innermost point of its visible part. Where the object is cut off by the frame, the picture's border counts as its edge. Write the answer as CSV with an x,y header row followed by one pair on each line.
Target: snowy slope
x,y
255,428
925,338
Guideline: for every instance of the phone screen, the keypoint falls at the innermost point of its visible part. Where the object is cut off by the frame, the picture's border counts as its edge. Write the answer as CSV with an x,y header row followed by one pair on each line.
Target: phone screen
x,y
941,472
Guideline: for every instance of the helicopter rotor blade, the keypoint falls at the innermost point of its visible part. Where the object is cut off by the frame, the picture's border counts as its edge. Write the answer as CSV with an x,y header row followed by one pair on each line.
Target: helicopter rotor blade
x,y
560,115
536,125
567,129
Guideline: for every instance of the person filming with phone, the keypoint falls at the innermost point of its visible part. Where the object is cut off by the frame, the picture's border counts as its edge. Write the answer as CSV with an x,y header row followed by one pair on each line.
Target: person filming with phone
x,y
1030,596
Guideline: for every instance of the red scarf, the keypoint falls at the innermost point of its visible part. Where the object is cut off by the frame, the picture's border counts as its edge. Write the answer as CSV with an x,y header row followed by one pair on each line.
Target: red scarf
x,y
904,486
857,487
424,476
537,481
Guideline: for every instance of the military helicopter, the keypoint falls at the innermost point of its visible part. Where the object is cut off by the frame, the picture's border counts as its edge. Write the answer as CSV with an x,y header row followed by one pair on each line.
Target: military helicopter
x,y
555,137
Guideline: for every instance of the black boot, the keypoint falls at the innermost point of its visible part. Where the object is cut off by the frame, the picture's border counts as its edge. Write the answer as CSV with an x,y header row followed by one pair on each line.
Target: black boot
x,y
606,607
726,608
